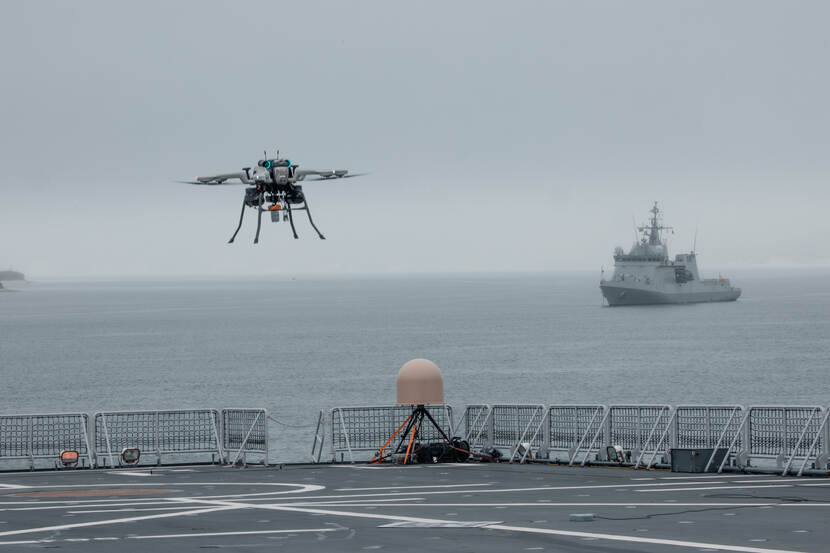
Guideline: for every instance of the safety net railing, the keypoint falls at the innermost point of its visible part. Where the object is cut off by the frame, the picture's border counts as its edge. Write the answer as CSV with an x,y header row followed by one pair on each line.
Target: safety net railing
x,y
183,434
39,439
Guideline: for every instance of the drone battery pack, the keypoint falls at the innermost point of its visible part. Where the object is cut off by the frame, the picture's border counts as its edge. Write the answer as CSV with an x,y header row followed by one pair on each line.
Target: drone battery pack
x,y
275,216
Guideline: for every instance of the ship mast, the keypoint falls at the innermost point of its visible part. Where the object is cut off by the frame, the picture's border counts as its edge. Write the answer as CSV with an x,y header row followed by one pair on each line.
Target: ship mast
x,y
651,233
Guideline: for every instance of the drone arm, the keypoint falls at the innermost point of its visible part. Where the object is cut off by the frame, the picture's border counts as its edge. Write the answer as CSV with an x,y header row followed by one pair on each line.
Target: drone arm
x,y
243,176
301,174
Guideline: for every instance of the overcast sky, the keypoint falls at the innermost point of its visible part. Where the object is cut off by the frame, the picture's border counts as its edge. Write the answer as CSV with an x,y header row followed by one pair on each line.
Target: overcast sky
x,y
499,135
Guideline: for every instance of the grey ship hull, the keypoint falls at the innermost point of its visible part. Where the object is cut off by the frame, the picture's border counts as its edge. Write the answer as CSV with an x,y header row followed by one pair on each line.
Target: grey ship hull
x,y
624,295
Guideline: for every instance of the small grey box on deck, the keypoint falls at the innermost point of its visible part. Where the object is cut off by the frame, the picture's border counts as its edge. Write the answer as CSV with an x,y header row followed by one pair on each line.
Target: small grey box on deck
x,y
695,460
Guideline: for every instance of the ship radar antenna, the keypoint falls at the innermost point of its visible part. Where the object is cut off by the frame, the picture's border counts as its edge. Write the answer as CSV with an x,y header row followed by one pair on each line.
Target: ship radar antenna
x,y
694,243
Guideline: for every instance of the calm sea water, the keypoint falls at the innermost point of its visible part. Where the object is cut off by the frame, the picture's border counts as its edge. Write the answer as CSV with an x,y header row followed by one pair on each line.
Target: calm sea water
x,y
296,346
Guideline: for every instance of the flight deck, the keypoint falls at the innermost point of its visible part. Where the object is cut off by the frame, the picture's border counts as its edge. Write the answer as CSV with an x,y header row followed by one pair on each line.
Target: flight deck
x,y
436,507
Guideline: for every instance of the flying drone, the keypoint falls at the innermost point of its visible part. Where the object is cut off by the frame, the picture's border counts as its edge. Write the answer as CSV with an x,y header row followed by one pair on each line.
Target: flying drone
x,y
274,181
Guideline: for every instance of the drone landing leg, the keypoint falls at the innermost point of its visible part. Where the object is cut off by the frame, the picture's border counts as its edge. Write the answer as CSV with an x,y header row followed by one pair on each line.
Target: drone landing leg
x,y
291,219
241,216
310,220
258,222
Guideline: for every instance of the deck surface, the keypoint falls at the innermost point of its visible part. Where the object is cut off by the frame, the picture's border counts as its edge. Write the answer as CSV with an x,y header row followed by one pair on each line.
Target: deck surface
x,y
470,507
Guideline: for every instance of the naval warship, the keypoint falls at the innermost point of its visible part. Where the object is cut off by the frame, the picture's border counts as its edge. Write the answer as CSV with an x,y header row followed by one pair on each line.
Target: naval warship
x,y
646,275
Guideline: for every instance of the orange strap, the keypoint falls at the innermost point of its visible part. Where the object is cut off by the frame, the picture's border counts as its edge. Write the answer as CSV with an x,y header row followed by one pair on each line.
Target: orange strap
x,y
409,447
379,455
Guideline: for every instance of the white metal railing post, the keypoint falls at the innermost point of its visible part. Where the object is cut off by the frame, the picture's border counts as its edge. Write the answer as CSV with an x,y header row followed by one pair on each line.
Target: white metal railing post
x,y
266,432
107,438
645,444
468,428
317,439
345,435
156,434
803,433
572,458
708,426
85,433
490,421
603,426
821,430
30,438
216,434
735,410
245,441
541,410
672,420
741,429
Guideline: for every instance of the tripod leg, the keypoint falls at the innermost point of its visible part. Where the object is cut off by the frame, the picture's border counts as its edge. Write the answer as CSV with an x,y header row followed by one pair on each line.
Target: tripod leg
x,y
310,220
291,219
241,216
258,220
409,446
437,427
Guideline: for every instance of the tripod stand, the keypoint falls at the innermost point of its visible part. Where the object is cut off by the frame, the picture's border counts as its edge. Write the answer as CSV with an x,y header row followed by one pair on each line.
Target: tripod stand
x,y
412,427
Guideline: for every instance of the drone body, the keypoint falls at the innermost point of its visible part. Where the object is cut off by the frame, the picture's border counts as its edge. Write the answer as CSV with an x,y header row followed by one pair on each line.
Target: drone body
x,y
274,182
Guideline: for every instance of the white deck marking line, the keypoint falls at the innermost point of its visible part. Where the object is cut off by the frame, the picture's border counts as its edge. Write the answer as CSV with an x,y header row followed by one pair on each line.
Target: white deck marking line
x,y
112,521
563,504
638,539
86,505
241,533
611,537
815,484
116,484
302,488
715,488
133,510
706,477
312,488
12,487
411,487
352,501
767,481
130,473
488,490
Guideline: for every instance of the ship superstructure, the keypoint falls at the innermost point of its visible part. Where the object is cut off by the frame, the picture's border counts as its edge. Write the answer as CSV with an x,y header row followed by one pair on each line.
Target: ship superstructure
x,y
646,274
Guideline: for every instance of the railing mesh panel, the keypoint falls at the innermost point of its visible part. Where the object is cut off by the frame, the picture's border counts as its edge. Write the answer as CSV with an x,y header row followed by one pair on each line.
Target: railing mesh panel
x,y
570,424
42,435
157,431
14,436
776,430
476,425
702,426
239,423
631,424
510,422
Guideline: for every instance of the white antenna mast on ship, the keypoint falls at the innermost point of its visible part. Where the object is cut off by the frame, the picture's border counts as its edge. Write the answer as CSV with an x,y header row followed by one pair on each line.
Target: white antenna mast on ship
x,y
694,244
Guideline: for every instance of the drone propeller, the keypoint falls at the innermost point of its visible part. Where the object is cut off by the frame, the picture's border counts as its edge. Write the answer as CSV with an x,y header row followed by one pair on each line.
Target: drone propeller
x,y
335,177
208,183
